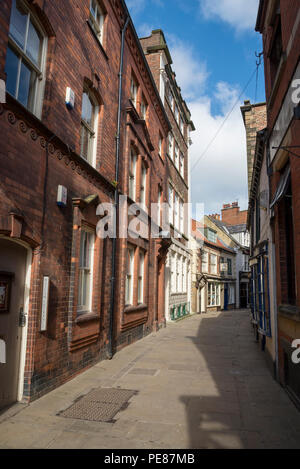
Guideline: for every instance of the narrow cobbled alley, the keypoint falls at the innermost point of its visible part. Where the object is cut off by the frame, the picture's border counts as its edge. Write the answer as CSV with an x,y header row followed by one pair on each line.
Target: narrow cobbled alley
x,y
200,383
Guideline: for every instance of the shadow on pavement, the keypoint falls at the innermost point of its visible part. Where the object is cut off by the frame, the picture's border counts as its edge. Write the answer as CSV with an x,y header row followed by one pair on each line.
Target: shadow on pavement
x,y
239,404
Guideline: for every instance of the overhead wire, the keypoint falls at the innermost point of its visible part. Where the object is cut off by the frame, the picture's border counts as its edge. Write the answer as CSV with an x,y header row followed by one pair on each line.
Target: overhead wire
x,y
225,120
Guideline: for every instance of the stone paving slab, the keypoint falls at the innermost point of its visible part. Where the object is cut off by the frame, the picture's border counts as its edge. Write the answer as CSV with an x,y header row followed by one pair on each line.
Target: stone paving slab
x,y
202,383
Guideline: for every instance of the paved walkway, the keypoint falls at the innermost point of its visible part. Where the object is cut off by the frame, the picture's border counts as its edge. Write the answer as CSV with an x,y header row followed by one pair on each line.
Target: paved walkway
x,y
202,383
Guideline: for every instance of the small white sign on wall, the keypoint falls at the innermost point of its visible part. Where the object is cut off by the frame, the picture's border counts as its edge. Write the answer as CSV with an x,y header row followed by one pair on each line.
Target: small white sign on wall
x,y
2,351
45,303
2,92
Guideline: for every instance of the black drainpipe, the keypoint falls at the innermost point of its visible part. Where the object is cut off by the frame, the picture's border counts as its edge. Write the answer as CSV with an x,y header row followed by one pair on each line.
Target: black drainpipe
x,y
116,201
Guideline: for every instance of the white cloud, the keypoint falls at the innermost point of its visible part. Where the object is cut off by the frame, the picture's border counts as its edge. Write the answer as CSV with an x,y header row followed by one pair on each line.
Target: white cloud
x,y
191,74
221,174
135,6
240,14
144,30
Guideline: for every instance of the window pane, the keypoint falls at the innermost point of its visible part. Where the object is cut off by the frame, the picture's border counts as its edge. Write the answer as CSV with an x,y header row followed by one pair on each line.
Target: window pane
x,y
87,109
93,8
84,142
27,86
33,48
18,22
11,69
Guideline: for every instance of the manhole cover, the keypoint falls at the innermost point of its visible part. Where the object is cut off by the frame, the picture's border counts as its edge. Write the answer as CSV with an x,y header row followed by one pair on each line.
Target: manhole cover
x,y
93,411
110,396
143,371
99,405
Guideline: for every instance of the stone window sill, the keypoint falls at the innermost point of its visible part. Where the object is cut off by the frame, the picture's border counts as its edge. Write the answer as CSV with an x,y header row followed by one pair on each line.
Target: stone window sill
x,y
87,317
135,309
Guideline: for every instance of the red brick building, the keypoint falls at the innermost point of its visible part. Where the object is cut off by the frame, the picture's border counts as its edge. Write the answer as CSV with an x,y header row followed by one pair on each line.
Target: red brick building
x,y
279,24
232,215
59,159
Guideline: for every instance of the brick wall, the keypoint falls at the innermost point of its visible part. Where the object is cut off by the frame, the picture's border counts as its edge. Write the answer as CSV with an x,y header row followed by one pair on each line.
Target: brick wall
x,y
231,215
37,155
255,119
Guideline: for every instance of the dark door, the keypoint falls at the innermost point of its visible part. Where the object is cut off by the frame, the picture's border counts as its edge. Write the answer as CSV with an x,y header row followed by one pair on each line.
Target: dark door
x,y
243,295
226,298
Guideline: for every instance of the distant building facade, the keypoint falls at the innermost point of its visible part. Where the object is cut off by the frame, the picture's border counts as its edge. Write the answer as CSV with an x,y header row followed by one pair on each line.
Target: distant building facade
x,y
232,228
214,270
176,147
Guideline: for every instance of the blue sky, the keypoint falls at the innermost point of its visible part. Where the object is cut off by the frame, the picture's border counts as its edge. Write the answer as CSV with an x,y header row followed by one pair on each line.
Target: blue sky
x,y
213,45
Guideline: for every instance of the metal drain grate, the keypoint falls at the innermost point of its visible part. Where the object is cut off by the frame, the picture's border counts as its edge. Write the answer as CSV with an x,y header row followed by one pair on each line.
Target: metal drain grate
x,y
110,396
99,405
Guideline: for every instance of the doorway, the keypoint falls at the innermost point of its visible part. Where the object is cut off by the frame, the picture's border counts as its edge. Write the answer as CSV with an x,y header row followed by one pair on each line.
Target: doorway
x,y
14,269
226,297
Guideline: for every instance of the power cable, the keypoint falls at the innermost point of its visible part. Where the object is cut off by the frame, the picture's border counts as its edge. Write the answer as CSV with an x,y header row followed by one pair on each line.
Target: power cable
x,y
225,120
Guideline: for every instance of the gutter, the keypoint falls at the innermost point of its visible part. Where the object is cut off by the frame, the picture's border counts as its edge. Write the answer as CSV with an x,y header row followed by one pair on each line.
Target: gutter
x,y
116,198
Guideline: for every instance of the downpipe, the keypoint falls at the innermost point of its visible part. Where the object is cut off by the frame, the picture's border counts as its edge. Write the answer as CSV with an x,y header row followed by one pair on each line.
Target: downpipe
x,y
116,199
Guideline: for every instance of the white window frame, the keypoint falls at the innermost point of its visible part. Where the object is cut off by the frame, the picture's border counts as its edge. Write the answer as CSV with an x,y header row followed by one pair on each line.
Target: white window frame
x,y
176,113
24,58
204,264
143,189
129,276
173,272
213,265
171,145
134,88
176,153
213,291
141,277
181,165
91,129
160,145
184,276
144,109
176,211
132,174
181,216
98,27
171,205
181,125
178,273
85,271
159,206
